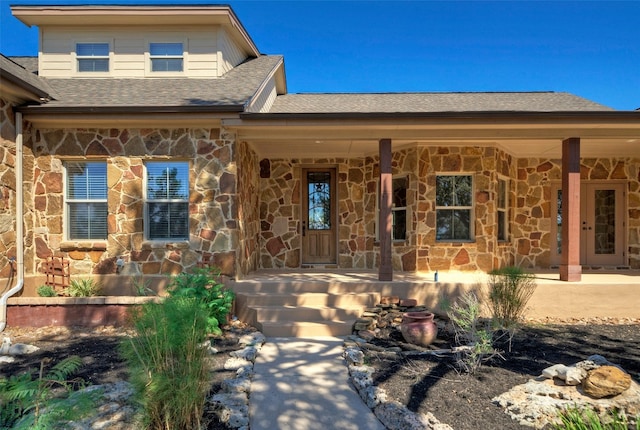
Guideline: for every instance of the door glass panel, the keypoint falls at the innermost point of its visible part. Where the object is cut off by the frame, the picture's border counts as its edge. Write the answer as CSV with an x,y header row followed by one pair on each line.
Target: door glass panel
x,y
319,204
605,221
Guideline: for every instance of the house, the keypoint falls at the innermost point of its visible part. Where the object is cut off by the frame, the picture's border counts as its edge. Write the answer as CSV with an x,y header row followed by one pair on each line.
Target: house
x,y
153,138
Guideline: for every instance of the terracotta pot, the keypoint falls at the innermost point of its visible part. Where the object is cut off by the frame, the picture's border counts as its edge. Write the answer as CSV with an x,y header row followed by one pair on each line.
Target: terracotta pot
x,y
418,328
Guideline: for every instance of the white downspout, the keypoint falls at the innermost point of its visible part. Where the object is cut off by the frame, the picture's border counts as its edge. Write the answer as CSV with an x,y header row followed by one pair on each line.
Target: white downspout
x,y
19,226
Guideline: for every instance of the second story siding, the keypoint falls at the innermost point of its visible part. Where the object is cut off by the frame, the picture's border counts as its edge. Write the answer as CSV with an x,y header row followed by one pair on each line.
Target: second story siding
x,y
207,52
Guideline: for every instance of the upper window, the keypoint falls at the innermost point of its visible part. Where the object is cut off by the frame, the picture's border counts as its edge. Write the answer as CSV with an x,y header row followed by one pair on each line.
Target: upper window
x,y
166,57
86,200
399,187
167,213
502,204
92,57
454,203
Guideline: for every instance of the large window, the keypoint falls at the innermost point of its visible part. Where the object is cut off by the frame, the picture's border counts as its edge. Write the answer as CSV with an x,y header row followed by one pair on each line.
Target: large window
x,y
399,187
92,57
166,57
454,204
502,207
167,213
86,200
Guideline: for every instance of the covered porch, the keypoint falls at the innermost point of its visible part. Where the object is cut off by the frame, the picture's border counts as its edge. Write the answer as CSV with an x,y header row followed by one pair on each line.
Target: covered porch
x,y
312,302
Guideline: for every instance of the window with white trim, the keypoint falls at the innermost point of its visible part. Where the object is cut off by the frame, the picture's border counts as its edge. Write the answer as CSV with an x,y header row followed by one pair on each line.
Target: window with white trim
x,y
502,208
92,57
454,204
399,186
167,192
166,57
86,200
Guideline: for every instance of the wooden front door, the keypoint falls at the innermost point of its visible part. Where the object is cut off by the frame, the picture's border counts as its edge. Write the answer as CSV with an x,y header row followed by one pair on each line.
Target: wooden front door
x,y
319,226
602,224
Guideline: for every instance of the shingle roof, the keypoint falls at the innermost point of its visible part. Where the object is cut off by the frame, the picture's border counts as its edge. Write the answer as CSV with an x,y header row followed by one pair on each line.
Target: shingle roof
x,y
433,102
233,89
17,74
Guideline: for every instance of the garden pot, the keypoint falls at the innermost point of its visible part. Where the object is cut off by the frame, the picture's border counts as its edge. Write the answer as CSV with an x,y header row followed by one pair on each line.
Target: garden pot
x,y
418,328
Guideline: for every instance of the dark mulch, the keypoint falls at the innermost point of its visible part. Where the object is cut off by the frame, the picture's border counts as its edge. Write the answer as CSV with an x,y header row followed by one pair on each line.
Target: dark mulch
x,y
424,384
434,384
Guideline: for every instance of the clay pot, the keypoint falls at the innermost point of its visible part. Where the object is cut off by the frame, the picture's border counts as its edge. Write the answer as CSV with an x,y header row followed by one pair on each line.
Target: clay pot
x,y
418,328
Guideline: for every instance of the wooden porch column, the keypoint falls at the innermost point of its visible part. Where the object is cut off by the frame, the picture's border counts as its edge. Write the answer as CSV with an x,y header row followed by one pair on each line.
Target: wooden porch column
x,y
570,268
385,272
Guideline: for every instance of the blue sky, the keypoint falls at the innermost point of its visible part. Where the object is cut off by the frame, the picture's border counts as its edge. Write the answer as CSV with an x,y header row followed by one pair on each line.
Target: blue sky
x,y
588,48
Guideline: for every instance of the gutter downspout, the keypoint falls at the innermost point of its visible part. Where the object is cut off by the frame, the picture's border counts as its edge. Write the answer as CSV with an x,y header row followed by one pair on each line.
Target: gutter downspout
x,y
19,226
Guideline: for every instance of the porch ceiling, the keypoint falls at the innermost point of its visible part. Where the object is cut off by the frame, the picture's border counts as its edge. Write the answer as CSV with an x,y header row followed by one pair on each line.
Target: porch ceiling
x,y
335,138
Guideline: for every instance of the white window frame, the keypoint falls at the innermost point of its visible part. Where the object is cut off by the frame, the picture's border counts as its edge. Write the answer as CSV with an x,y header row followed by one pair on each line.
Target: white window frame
x,y
150,58
502,231
79,58
69,202
469,208
394,209
148,201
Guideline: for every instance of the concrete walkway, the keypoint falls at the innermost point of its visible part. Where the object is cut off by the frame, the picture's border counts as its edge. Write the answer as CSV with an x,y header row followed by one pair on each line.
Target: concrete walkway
x,y
302,384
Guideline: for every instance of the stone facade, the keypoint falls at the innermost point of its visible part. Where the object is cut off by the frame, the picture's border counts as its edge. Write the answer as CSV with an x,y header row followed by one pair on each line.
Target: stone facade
x,y
245,212
529,184
213,208
7,187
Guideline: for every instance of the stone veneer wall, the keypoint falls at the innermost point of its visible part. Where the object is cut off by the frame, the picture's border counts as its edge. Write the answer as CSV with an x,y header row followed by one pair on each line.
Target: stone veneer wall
x,y
7,187
213,199
280,183
532,222
248,209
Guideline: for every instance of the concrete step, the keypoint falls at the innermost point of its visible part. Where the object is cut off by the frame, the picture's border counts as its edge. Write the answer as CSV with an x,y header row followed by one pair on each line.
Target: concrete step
x,y
290,287
305,313
310,299
305,328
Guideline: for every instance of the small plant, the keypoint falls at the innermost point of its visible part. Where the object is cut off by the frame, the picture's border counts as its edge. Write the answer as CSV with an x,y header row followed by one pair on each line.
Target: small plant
x,y
86,287
576,418
45,402
474,337
510,289
167,362
203,286
46,291
141,287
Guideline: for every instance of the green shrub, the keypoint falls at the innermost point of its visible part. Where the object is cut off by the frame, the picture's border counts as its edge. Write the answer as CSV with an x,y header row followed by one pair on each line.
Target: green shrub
x,y
45,402
510,288
474,336
46,291
203,286
576,418
167,362
83,288
141,287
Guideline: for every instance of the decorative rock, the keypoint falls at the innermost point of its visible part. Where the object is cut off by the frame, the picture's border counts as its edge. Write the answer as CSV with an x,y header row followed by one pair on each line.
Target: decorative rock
x,y
249,353
255,338
606,381
396,416
389,300
553,371
354,356
574,375
236,363
408,303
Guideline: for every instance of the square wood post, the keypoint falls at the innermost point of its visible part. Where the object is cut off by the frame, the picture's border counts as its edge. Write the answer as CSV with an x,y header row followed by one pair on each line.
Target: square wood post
x,y
385,272
570,268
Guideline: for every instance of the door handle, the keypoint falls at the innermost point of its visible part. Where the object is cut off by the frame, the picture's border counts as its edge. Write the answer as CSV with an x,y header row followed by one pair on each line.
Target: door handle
x,y
304,227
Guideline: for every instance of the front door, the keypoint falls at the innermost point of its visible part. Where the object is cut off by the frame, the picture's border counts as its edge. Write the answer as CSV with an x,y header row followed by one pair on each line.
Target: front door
x,y
602,232
319,216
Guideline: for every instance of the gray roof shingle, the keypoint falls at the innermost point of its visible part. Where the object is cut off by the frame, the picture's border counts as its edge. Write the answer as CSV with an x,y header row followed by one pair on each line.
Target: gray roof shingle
x,y
433,102
234,89
19,75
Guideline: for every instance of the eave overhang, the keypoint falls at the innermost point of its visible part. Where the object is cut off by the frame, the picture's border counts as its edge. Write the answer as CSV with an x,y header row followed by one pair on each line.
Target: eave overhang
x,y
604,133
101,15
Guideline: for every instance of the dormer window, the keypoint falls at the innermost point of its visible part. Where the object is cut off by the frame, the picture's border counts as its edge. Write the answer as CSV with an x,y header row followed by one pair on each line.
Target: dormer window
x,y
92,57
166,57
